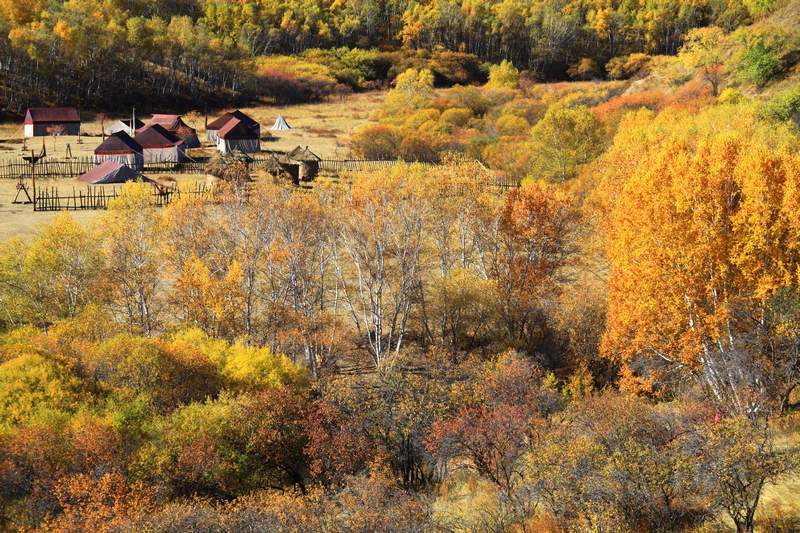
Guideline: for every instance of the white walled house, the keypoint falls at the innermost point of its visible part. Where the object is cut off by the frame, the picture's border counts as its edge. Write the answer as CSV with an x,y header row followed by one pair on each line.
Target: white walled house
x,y
160,146
121,148
41,121
236,136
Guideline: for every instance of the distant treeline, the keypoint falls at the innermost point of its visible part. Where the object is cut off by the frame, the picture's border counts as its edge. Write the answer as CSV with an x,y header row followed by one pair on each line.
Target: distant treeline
x,y
113,54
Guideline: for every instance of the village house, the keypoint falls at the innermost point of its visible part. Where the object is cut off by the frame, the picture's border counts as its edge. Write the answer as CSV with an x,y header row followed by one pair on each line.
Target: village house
x,y
159,145
213,129
236,136
43,121
175,125
122,148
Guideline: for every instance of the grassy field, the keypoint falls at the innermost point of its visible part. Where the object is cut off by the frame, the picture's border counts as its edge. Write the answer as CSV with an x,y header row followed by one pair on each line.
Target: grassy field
x,y
324,127
19,220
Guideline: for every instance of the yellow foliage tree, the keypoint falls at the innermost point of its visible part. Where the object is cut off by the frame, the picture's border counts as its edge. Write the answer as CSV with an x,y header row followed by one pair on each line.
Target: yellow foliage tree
x,y
133,261
703,247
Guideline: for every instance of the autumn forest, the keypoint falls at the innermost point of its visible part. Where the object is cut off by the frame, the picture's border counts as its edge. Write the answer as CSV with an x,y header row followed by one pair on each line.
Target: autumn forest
x,y
610,343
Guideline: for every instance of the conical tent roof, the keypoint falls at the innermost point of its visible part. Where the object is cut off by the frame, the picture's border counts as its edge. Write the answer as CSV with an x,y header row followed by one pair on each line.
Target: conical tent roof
x,y
281,124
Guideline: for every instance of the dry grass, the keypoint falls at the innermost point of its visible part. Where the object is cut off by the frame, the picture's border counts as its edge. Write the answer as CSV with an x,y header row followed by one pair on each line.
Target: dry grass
x,y
782,500
325,127
19,220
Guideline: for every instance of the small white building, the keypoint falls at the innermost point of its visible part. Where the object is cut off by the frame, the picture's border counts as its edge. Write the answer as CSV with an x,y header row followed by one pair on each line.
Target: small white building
x,y
236,136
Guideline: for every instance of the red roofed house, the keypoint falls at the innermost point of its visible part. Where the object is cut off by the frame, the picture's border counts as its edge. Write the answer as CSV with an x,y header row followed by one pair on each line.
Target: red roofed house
x,y
121,147
175,124
39,121
212,130
159,145
237,136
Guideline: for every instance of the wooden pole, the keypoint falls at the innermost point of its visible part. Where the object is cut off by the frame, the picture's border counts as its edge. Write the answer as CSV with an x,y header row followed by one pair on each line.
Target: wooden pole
x,y
33,179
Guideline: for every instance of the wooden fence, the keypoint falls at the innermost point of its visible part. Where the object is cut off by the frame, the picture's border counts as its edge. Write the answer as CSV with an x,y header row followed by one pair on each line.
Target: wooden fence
x,y
356,165
98,197
46,168
502,182
72,168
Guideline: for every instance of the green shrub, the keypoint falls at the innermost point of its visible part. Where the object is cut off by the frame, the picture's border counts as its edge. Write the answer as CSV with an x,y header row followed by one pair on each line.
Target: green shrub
x,y
785,106
352,66
760,63
759,8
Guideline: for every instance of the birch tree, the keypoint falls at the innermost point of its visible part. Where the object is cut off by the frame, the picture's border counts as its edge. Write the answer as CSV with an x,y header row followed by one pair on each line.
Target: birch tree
x,y
377,257
133,262
703,249
303,285
250,222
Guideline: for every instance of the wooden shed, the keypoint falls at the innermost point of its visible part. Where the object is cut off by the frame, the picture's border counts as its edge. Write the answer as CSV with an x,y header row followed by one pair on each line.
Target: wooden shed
x,y
41,121
307,161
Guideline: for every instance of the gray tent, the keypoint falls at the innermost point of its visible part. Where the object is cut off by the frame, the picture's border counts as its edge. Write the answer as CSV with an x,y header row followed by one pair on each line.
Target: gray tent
x,y
111,172
280,124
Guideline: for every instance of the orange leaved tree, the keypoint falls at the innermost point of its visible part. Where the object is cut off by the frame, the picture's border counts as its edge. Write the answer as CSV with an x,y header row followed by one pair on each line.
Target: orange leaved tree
x,y
703,250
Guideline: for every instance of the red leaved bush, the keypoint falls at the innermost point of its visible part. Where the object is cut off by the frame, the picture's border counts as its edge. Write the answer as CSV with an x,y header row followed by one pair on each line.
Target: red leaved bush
x,y
613,109
492,439
336,448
